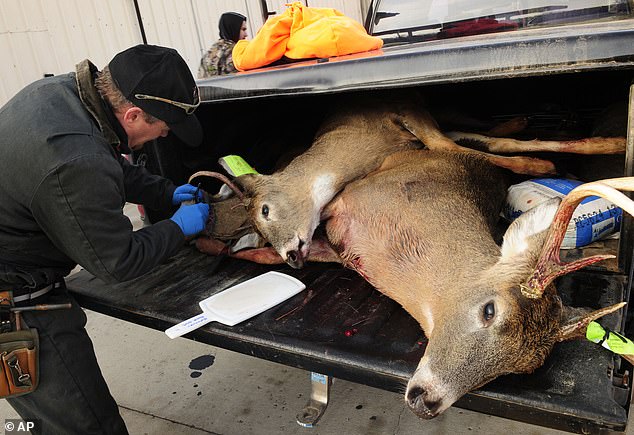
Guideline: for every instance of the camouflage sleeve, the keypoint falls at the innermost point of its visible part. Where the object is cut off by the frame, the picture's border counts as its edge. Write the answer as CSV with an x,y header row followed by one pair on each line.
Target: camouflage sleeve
x,y
225,61
218,60
208,67
229,67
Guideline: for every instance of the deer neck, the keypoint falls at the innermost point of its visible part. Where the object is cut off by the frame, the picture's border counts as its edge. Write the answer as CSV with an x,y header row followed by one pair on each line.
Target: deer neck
x,y
323,187
423,284
318,175
336,157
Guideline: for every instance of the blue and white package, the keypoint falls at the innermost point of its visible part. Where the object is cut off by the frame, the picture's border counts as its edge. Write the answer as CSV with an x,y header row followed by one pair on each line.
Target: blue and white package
x,y
594,219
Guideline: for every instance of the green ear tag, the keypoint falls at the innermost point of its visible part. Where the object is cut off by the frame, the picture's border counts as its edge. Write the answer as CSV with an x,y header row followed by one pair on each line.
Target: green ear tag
x,y
614,341
236,166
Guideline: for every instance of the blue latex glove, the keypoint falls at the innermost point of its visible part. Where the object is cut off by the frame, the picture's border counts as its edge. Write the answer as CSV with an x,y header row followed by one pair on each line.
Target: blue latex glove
x,y
185,193
192,218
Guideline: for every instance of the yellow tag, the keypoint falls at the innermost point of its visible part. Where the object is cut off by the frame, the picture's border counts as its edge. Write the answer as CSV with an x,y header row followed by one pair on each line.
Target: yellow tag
x,y
236,166
614,341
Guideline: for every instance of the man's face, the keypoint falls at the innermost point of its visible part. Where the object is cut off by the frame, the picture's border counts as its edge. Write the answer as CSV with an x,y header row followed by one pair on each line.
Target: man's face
x,y
140,131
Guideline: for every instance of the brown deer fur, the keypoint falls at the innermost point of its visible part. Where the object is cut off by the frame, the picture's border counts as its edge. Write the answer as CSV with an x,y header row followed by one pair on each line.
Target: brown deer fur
x,y
285,207
437,257
418,224
419,229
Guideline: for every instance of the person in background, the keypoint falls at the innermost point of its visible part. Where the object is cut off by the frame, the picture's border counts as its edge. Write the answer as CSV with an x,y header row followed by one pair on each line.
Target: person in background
x,y
218,59
63,185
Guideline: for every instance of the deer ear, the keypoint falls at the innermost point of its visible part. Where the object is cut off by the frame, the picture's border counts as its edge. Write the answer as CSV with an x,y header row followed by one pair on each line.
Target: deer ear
x,y
519,239
248,182
575,321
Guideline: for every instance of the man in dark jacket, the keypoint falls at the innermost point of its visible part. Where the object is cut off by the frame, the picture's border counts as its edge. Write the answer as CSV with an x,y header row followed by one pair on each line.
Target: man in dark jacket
x,y
63,185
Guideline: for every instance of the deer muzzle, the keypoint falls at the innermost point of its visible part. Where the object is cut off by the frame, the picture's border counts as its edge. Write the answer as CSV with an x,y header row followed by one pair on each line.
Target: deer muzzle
x,y
296,258
423,402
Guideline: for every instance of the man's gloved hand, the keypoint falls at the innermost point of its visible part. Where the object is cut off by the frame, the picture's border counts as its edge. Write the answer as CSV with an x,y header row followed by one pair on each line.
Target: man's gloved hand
x,y
185,193
192,219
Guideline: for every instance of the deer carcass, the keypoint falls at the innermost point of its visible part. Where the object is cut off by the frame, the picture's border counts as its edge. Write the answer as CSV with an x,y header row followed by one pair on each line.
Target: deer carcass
x,y
420,230
285,208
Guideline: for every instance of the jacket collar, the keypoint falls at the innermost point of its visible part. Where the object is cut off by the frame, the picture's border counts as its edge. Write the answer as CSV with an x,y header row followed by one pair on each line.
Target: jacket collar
x,y
98,108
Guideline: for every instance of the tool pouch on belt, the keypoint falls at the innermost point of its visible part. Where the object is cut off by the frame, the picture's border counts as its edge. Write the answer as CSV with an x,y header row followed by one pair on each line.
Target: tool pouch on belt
x,y
19,354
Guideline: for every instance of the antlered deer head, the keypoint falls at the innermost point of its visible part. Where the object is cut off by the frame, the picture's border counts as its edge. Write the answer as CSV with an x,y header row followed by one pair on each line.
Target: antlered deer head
x,y
510,323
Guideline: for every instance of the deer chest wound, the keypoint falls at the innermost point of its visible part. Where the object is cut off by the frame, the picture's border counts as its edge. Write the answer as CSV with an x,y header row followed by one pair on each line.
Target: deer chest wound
x,y
322,190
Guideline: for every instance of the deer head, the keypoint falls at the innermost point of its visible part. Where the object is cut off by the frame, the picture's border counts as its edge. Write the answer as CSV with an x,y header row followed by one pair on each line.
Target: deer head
x,y
515,317
284,217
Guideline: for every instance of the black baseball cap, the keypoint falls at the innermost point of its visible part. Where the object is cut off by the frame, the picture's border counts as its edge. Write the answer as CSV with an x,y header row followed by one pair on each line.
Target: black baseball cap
x,y
158,80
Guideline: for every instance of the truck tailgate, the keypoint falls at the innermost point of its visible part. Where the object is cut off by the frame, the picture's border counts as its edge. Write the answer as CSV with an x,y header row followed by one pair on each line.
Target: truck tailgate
x,y
342,327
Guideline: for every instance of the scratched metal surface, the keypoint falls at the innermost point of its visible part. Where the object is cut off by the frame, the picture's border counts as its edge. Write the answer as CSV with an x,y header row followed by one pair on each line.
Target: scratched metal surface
x,y
383,345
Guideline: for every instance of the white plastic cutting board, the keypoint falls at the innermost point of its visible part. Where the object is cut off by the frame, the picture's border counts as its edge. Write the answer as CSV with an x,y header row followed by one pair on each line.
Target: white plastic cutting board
x,y
241,302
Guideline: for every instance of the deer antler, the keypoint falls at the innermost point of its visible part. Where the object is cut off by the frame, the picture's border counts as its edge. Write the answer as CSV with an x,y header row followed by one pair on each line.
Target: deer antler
x,y
549,266
220,177
578,326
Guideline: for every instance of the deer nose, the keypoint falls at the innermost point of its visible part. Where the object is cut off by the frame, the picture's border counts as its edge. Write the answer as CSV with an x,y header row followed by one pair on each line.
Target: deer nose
x,y
295,259
421,404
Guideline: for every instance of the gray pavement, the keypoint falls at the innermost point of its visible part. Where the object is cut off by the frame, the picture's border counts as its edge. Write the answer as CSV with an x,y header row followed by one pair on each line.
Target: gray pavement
x,y
180,386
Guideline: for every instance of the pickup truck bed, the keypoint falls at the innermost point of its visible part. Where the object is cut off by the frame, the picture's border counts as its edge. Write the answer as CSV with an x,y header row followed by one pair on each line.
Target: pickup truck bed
x,y
562,79
573,391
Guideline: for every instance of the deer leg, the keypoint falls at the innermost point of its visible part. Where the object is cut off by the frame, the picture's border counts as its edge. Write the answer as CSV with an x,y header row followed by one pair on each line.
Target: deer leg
x,y
320,251
512,126
211,246
266,255
521,165
592,145
424,127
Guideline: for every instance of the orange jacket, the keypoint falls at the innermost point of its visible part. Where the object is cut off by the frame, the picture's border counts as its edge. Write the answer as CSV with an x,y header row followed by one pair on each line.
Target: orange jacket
x,y
303,32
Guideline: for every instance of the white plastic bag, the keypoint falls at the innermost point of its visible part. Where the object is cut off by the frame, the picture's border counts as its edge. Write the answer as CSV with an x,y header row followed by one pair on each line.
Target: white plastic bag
x,y
595,218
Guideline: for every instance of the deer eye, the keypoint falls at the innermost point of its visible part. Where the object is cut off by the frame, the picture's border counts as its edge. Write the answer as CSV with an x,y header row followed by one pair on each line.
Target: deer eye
x,y
489,311
265,210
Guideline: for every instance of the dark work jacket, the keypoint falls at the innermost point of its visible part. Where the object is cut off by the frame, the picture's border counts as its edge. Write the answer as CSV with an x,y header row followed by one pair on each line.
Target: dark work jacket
x,y
63,186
